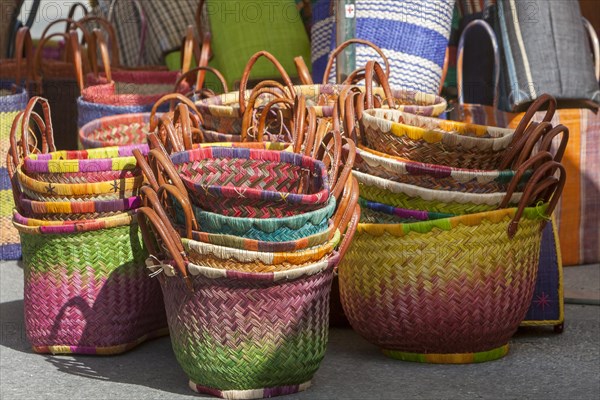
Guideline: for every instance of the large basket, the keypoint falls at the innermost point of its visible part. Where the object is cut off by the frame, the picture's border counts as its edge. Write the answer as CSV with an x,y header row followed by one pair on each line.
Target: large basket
x,y
451,290
86,288
270,343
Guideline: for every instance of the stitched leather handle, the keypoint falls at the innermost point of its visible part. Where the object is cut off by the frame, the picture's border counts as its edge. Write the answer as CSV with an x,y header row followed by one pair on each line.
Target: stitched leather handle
x,y
340,48
374,71
542,186
172,97
303,72
248,69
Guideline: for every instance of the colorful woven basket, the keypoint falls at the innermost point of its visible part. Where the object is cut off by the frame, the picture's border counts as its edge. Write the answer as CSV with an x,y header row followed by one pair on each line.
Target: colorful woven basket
x,y
116,130
436,141
451,290
271,343
11,103
268,187
86,288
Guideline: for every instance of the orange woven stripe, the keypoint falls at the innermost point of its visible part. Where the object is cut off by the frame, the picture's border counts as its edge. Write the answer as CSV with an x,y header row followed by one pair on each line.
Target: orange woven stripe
x,y
570,210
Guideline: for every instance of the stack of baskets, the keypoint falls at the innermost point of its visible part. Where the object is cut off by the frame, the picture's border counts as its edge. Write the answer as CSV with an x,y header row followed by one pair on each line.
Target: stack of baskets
x,y
247,286
444,261
86,290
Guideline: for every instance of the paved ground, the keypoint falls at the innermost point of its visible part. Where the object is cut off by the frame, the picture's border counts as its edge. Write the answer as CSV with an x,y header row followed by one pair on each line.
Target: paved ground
x,y
541,364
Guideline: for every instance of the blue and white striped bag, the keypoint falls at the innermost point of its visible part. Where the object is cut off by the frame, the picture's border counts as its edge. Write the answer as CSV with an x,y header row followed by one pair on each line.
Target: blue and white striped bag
x,y
413,34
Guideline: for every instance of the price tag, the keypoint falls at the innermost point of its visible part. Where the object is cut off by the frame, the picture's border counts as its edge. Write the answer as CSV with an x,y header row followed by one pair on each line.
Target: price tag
x,y
350,11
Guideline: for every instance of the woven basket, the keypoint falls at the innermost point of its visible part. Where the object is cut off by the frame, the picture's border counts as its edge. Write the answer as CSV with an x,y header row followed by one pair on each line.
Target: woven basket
x,y
271,343
436,141
11,103
403,195
378,213
451,290
117,130
86,289
267,188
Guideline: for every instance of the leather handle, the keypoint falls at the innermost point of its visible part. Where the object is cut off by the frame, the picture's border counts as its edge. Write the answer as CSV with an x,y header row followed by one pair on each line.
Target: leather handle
x,y
348,236
183,125
265,87
340,48
150,199
172,97
187,52
78,66
48,132
167,133
311,132
532,164
299,133
303,72
197,71
248,69
530,141
24,44
595,46
542,186
165,171
101,43
112,37
546,144
537,105
374,70
74,8
191,223
347,203
146,170
262,121
13,157
330,153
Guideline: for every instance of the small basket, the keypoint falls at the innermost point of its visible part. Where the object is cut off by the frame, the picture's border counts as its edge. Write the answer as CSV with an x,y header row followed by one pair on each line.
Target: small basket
x,y
451,290
105,305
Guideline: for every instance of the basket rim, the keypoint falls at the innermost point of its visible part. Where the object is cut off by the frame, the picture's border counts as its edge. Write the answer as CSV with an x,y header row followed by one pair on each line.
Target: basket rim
x,y
424,227
67,207
41,227
378,119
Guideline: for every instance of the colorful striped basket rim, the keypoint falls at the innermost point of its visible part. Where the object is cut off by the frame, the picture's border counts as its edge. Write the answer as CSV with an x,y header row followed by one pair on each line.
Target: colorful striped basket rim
x,y
275,146
40,227
247,256
78,189
227,105
446,224
402,166
432,194
325,264
92,135
78,207
267,225
418,215
260,245
434,130
317,167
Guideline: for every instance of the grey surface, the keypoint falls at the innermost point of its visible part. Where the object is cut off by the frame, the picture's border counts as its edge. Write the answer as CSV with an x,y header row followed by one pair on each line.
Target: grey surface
x,y
540,365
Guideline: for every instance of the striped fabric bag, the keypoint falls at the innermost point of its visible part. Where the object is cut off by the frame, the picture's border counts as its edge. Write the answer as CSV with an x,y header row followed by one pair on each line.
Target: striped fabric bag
x,y
413,35
578,212
10,105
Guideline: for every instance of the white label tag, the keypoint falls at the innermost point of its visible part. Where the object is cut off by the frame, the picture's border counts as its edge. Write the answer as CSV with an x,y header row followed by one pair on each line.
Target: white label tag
x,y
350,11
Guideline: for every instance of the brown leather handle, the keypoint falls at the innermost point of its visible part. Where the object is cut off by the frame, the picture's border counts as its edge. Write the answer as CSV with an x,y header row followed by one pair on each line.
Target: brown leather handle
x,y
78,64
346,204
542,186
146,170
512,152
262,121
24,44
106,63
374,70
263,87
153,223
539,103
248,69
187,52
172,97
191,224
112,37
531,164
167,133
165,171
529,142
13,157
330,153
183,125
303,72
299,133
311,132
74,8
564,140
150,199
204,58
197,71
48,133
347,43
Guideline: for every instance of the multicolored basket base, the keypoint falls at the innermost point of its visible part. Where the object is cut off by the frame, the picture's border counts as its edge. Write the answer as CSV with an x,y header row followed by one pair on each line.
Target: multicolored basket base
x,y
252,393
463,358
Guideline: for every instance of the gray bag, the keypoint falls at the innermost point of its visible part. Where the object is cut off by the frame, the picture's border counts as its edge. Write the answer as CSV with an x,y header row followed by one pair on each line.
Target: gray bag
x,y
545,50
